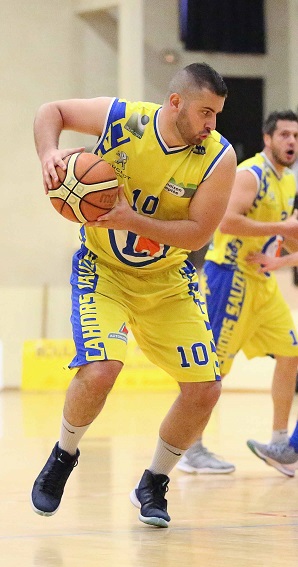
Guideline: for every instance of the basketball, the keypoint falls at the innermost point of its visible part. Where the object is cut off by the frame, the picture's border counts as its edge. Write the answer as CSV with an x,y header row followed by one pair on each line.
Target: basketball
x,y
87,189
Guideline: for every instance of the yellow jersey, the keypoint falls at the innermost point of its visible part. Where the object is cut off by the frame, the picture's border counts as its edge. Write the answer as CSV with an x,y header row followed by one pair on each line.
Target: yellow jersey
x,y
158,181
273,202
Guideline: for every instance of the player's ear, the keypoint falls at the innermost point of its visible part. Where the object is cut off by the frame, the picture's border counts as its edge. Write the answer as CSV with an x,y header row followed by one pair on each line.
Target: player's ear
x,y
267,140
174,100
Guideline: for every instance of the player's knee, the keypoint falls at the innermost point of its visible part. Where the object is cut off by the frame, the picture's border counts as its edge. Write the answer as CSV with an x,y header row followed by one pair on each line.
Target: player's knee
x,y
201,394
212,393
100,376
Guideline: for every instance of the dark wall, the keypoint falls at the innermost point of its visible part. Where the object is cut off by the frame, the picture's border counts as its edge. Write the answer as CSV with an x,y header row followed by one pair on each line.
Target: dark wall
x,y
242,116
230,26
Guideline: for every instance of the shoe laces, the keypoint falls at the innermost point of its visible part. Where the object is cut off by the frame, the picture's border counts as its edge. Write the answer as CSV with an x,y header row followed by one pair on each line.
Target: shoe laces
x,y
54,479
205,451
159,490
281,448
202,451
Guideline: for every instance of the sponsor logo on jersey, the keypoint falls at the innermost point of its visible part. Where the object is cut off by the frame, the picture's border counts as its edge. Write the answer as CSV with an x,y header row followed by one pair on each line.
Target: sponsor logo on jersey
x,y
136,124
122,159
179,190
122,334
175,189
199,150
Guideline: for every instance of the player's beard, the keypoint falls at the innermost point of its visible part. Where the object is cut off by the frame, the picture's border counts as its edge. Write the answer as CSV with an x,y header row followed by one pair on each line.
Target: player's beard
x,y
276,154
184,127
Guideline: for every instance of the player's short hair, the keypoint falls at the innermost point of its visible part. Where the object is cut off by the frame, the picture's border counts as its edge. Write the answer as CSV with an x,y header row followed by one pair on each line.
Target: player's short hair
x,y
270,124
198,76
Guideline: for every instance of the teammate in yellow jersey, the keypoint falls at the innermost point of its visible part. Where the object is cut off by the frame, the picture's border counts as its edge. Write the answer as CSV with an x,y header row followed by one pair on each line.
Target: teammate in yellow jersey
x,y
132,271
246,308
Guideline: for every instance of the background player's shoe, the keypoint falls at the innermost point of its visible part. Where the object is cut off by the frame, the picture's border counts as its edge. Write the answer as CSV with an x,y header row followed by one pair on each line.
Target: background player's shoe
x,y
281,456
149,496
198,459
49,486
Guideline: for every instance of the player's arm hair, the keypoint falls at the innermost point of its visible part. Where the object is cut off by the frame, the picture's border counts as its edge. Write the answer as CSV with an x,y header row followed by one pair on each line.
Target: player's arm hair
x,y
242,197
210,201
236,220
86,116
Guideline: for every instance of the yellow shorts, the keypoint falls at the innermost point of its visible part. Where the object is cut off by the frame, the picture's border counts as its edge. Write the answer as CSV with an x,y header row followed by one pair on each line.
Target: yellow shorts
x,y
165,311
247,314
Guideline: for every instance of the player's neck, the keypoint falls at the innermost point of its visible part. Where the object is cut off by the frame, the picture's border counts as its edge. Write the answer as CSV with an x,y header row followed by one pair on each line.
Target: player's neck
x,y
168,131
278,167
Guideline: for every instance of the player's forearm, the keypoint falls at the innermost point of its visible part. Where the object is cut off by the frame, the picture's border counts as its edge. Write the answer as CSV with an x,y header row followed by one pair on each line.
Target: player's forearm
x,y
48,125
288,261
243,226
184,234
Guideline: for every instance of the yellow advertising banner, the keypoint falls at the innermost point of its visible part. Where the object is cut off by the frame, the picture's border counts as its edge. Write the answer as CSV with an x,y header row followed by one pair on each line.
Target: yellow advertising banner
x,y
45,367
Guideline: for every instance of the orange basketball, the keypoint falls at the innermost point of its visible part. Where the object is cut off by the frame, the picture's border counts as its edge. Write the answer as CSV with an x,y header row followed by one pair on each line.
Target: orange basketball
x,y
87,189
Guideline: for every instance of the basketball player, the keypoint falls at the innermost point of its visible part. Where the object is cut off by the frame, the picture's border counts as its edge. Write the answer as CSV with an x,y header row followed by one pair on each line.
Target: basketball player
x,y
176,173
245,306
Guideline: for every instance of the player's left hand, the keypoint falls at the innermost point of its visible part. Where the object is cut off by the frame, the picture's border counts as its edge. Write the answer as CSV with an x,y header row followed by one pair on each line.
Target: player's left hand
x,y
119,217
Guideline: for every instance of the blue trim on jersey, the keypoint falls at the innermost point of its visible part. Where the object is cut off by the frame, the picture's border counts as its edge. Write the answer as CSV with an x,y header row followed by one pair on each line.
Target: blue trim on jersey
x,y
224,141
165,149
83,280
189,271
216,371
82,233
257,170
227,144
116,112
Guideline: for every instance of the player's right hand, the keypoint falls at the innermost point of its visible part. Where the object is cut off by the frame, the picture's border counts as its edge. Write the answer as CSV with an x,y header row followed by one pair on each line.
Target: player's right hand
x,y
51,160
266,263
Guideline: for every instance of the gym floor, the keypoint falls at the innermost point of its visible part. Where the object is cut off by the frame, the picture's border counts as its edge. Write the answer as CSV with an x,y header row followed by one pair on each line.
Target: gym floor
x,y
249,517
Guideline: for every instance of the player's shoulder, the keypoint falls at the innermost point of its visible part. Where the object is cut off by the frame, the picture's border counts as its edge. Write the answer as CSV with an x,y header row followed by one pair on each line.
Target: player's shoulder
x,y
256,160
138,106
135,115
255,164
218,139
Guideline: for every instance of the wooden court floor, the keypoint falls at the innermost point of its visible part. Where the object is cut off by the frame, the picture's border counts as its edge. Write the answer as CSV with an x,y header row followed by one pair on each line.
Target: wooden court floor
x,y
247,518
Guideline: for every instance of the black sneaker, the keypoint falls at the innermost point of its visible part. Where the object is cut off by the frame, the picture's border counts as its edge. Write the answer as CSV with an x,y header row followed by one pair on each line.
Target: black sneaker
x,y
149,496
49,486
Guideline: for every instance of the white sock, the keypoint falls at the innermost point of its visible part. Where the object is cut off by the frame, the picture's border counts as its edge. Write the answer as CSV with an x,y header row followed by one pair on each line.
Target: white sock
x,y
70,436
165,457
280,436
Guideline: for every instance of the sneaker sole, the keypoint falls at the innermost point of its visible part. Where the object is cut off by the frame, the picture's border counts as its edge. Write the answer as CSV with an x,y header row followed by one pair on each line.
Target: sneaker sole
x,y
271,462
41,512
192,470
150,521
